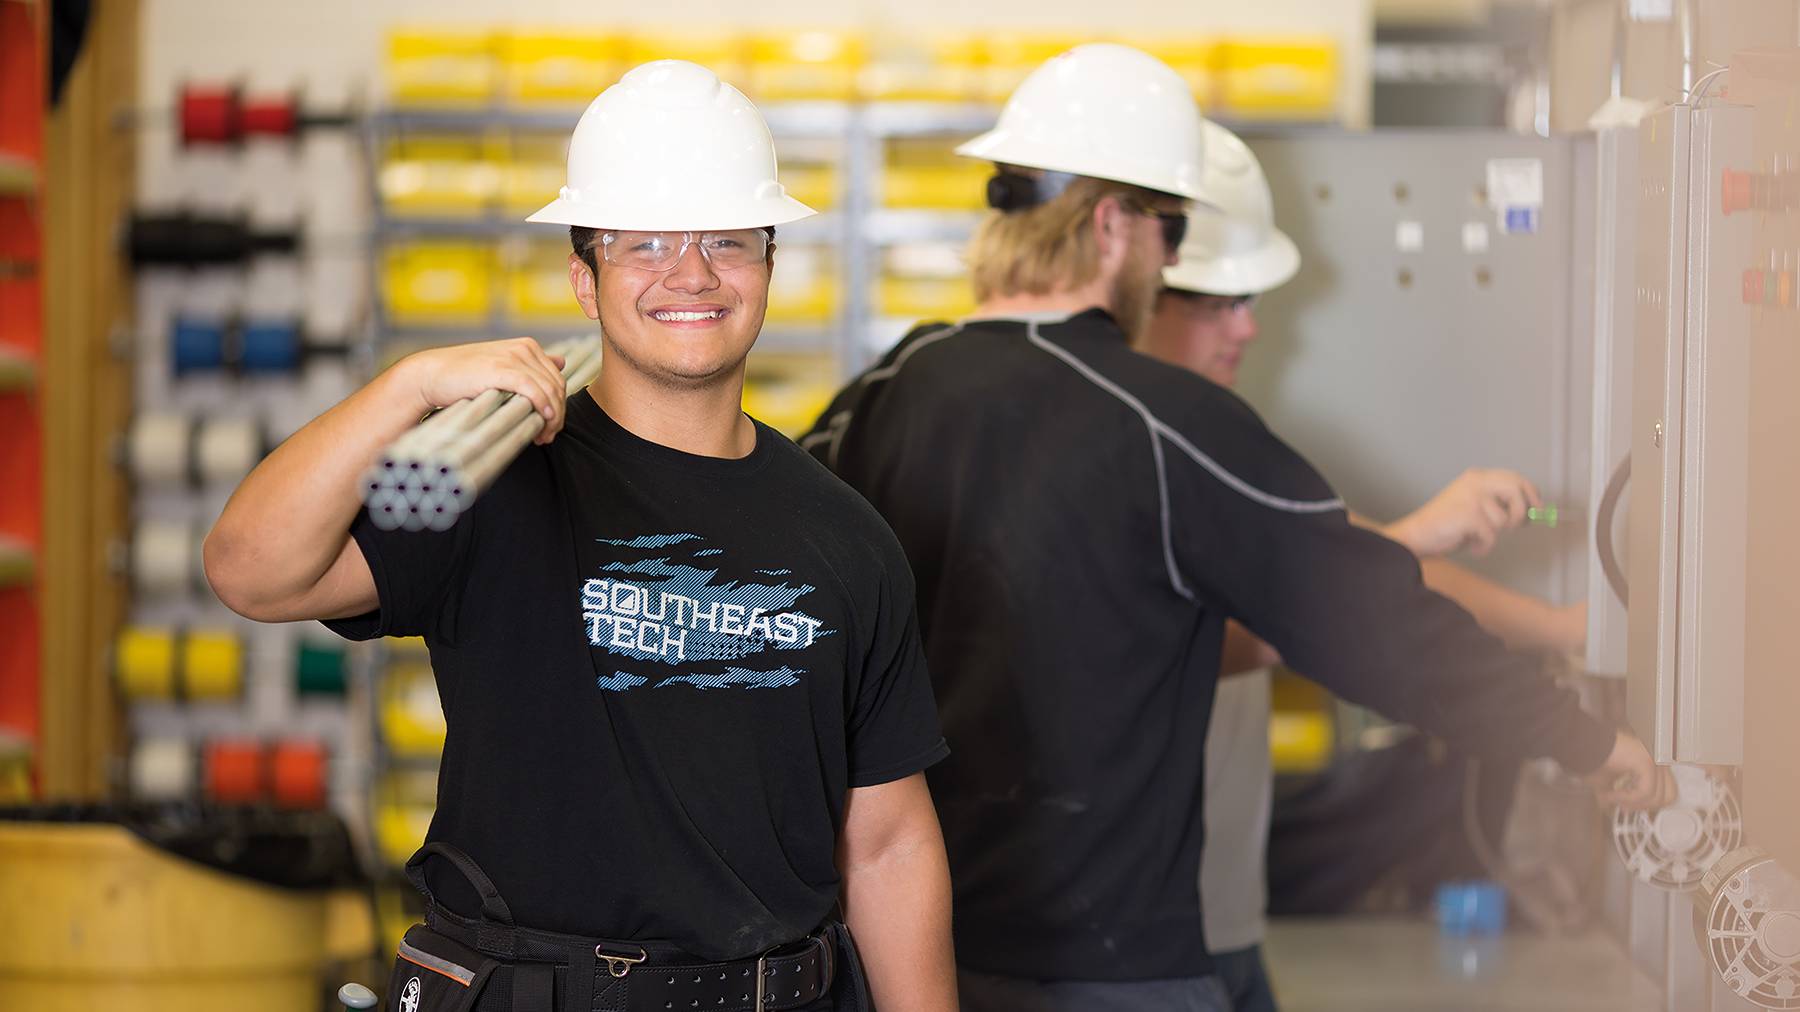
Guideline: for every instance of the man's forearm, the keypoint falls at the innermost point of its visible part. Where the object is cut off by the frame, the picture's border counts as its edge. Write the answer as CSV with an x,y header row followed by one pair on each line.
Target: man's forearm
x,y
897,904
286,524
1523,621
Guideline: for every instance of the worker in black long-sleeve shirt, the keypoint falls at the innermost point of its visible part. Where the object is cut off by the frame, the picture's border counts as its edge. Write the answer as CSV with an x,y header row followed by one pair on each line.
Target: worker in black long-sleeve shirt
x,y
1082,521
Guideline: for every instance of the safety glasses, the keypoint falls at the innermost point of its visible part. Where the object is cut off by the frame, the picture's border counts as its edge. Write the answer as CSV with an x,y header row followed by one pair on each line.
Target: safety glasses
x,y
1174,223
661,251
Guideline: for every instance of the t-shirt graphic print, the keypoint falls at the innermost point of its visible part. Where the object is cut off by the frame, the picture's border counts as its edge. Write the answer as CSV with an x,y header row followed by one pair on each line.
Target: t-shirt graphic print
x,y
670,610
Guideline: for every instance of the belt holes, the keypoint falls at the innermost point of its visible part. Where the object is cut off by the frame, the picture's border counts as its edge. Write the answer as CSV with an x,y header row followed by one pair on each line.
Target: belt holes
x,y
796,994
721,977
746,973
696,978
671,980
743,997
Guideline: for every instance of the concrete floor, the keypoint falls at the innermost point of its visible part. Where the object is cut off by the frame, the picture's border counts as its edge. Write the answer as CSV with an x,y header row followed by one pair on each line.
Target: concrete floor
x,y
1359,964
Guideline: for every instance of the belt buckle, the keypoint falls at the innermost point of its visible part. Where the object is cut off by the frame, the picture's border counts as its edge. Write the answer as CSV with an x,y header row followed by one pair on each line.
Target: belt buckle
x,y
619,966
762,981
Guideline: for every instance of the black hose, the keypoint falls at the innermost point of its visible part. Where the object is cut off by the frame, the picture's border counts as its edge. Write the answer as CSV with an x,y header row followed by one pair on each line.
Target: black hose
x,y
1603,532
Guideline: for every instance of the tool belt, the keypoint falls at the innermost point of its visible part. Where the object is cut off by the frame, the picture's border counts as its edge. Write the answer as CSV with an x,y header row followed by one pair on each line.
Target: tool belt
x,y
488,963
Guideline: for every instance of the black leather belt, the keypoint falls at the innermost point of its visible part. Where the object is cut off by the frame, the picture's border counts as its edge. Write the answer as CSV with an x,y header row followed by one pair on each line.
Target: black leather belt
x,y
542,970
789,977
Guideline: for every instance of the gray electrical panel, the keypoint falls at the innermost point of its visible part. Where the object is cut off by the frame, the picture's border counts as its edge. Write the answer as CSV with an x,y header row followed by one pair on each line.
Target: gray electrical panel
x,y
1440,320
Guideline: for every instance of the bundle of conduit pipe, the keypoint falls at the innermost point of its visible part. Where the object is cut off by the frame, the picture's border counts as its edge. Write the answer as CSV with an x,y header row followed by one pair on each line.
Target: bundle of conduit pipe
x,y
431,475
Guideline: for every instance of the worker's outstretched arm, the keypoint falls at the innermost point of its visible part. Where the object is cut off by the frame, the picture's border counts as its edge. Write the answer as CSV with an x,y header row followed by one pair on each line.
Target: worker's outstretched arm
x,y
1274,549
897,895
281,550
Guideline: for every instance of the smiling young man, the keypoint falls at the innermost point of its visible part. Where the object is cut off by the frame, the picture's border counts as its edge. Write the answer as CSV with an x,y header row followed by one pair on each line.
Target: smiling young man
x,y
686,703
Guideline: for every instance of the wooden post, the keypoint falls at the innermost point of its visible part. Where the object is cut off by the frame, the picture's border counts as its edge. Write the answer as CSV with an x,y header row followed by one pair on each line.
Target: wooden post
x,y
90,176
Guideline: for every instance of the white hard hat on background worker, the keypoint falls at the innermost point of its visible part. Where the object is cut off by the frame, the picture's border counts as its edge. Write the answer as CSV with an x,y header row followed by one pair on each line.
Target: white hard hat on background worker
x,y
711,165
1233,246
1105,111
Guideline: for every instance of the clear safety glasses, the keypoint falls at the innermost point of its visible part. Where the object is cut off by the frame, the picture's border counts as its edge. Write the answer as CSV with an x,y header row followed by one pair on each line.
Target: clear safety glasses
x,y
661,251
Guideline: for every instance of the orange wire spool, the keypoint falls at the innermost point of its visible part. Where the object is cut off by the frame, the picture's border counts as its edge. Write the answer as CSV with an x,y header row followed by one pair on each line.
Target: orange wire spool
x,y
297,774
236,771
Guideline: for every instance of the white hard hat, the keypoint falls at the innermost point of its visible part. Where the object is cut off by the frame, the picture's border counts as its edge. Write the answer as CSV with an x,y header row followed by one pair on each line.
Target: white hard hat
x,y
1233,247
671,148
1106,111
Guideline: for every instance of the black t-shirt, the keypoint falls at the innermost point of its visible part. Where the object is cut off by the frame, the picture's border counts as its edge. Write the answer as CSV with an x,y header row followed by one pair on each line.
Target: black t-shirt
x,y
1082,520
660,673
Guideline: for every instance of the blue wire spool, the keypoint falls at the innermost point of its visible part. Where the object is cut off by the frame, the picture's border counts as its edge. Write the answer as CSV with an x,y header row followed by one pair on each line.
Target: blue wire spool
x,y
271,346
199,345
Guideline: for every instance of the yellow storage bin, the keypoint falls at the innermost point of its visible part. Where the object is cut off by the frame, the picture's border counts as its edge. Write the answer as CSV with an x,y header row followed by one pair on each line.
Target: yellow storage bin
x,y
427,283
926,173
412,717
940,68
806,65
789,392
98,919
936,187
533,174
432,176
1193,58
404,803
561,68
812,184
537,289
1277,78
1012,57
1300,741
442,68
722,54
925,298
803,286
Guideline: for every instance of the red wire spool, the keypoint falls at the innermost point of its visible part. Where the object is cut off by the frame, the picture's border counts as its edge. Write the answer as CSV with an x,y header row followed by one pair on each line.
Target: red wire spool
x,y
209,115
235,771
270,116
297,773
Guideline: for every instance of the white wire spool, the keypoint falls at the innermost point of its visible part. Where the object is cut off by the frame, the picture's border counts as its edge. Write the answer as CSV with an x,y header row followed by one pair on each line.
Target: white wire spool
x,y
1747,921
226,449
156,448
163,557
1672,848
162,769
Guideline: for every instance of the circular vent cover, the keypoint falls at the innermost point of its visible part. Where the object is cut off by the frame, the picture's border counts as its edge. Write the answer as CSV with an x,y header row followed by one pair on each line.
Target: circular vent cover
x,y
1747,921
1672,848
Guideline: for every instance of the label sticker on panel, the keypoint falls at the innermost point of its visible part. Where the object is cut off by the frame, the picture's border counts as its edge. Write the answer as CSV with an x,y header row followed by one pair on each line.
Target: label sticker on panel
x,y
1515,182
1474,237
1409,236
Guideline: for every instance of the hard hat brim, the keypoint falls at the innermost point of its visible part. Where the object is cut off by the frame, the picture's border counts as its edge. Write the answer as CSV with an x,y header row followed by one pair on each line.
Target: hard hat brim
x,y
1263,269
699,218
999,146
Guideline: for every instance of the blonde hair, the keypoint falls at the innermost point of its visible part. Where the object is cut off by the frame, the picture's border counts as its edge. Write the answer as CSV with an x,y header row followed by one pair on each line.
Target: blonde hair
x,y
1041,249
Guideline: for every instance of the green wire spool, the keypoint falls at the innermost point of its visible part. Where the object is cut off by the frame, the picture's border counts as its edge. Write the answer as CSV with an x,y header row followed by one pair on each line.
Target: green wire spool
x,y
319,670
1543,516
